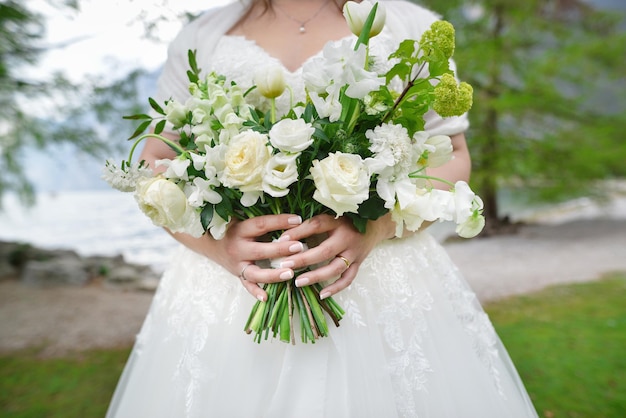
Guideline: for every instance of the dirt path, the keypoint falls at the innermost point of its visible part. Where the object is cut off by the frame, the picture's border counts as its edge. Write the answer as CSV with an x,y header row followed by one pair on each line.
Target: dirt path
x,y
62,319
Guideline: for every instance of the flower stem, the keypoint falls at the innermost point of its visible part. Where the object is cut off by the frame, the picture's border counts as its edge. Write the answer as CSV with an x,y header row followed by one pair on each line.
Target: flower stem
x,y
427,177
169,142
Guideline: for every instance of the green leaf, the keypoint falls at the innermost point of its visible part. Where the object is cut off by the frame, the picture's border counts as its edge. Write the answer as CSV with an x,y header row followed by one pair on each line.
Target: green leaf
x,y
140,129
206,216
154,105
137,117
364,37
224,209
159,127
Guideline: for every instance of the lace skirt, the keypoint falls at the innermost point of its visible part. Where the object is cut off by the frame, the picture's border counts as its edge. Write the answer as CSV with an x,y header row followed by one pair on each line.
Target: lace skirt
x,y
414,342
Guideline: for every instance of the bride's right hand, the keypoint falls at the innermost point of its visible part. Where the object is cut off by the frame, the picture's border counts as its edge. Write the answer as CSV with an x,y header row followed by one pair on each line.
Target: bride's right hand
x,y
240,248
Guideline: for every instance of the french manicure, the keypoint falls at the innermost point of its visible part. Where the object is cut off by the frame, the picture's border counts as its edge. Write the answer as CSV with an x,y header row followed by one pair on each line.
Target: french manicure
x,y
324,295
283,238
302,281
286,275
287,264
296,248
294,220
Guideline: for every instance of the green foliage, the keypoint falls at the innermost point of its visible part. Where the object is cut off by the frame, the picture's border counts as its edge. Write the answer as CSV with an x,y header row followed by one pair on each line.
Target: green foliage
x,y
44,113
549,95
567,343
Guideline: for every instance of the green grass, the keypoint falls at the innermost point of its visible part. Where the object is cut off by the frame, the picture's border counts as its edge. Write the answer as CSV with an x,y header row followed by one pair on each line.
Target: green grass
x,y
568,343
78,386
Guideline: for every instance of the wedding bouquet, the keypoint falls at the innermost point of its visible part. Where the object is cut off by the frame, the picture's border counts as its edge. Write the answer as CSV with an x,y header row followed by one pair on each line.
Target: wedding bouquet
x,y
356,147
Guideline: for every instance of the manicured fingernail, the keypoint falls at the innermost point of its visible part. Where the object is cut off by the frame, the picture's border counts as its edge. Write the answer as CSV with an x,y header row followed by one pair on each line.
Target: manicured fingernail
x,y
324,295
296,248
261,298
287,264
294,220
302,281
283,238
286,275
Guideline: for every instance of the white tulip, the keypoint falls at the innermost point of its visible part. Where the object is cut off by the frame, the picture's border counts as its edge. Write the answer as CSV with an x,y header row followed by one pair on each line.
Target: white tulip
x,y
270,81
356,15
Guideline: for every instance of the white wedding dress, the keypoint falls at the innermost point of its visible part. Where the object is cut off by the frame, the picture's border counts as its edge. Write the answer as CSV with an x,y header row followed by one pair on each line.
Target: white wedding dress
x,y
414,341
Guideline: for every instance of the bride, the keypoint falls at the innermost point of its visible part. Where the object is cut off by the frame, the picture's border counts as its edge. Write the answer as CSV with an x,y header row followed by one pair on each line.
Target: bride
x,y
414,341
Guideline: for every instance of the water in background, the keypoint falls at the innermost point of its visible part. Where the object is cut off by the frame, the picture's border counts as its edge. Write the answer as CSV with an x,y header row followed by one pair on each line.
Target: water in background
x,y
108,222
104,222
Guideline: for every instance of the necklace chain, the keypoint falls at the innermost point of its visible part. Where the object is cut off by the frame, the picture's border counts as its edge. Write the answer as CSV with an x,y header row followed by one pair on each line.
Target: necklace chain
x,y
303,22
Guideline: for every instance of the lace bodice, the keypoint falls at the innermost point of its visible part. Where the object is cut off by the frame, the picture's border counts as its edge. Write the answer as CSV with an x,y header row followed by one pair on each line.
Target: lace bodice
x,y
242,71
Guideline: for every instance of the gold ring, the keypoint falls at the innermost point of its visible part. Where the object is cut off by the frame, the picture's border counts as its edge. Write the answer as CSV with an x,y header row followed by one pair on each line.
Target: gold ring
x,y
345,260
241,275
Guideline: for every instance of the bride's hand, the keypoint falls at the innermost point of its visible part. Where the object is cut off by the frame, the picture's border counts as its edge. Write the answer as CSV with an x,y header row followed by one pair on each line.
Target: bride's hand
x,y
345,247
240,248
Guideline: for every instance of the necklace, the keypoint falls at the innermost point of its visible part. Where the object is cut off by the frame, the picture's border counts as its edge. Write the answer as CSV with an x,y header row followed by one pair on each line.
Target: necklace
x,y
303,22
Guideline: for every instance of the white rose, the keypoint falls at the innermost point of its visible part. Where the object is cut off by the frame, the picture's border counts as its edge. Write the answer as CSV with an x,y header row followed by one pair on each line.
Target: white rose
x,y
280,172
356,15
292,135
342,182
245,160
166,205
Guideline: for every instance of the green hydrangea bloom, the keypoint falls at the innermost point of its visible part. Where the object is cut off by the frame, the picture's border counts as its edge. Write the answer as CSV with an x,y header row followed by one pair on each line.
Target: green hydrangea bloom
x,y
452,99
438,41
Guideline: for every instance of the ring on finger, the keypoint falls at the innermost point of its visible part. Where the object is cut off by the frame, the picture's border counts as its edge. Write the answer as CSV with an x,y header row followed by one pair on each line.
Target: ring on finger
x,y
243,272
345,260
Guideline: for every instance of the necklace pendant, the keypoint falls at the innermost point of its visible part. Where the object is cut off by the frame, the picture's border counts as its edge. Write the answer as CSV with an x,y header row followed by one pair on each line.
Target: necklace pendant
x,y
302,30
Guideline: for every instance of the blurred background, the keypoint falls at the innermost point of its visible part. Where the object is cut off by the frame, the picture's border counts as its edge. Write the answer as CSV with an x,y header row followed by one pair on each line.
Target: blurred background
x,y
546,137
547,123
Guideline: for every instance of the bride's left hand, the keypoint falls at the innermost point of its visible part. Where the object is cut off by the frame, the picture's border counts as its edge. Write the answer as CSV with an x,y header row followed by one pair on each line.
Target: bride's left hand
x,y
345,248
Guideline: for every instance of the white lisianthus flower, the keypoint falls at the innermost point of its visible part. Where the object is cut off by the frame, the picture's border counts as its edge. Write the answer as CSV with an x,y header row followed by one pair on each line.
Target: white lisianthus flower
x,y
245,160
360,82
215,161
175,113
341,181
327,107
292,135
270,81
218,226
340,65
204,138
463,201
468,209
434,150
356,15
199,191
280,172
425,205
176,168
166,205
472,226
318,73
125,179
